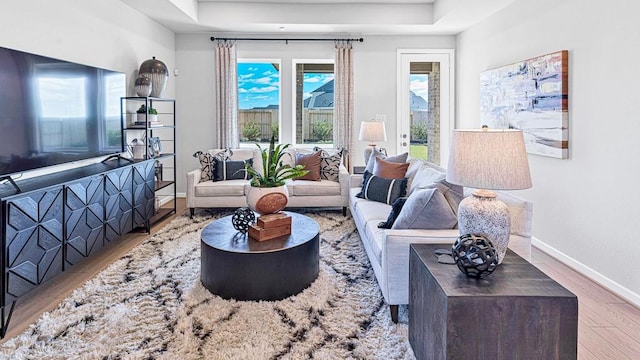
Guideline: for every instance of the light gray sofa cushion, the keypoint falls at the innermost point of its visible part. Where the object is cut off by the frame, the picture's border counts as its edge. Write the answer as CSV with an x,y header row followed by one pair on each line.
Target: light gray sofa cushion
x,y
426,209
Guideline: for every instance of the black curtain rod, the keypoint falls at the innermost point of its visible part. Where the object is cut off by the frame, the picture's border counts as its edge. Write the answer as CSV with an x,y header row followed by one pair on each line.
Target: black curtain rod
x,y
284,39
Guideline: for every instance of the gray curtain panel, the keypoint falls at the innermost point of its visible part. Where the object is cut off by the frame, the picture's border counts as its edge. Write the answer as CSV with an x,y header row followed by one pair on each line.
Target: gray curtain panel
x,y
227,134
343,99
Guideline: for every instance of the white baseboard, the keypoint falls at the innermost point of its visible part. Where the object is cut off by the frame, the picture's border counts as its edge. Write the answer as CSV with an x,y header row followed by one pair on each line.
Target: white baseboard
x,y
604,281
181,195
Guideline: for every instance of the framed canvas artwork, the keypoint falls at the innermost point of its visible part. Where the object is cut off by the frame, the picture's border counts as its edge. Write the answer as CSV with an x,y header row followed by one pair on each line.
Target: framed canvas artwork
x,y
533,96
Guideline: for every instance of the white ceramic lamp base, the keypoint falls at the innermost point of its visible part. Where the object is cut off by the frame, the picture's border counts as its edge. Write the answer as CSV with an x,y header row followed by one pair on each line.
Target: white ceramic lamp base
x,y
486,216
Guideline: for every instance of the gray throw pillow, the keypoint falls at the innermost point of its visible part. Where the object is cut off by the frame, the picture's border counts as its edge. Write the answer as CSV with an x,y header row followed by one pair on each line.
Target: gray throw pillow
x,y
426,209
402,158
452,193
380,189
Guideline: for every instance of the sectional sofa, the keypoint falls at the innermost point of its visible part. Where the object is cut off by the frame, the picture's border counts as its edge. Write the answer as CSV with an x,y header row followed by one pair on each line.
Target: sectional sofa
x,y
388,249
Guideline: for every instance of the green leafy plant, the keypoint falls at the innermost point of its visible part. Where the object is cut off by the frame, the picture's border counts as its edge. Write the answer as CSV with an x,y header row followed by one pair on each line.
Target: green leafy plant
x,y
143,110
323,130
418,133
251,131
275,172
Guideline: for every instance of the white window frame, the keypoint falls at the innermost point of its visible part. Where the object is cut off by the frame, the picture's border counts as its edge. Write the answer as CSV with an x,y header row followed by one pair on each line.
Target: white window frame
x,y
270,61
294,62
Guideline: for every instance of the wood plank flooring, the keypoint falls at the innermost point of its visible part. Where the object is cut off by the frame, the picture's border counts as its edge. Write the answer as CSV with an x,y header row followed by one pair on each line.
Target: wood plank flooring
x,y
609,327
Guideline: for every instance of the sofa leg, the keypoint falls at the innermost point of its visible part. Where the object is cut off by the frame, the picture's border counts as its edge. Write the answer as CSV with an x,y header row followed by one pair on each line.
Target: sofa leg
x,y
192,211
394,313
344,211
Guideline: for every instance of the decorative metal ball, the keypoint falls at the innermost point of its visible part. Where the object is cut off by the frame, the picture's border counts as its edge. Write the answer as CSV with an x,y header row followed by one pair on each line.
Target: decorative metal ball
x,y
242,218
475,255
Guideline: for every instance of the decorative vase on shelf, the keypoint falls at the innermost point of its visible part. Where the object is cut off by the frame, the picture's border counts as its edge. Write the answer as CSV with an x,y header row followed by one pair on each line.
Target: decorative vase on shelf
x,y
143,86
156,71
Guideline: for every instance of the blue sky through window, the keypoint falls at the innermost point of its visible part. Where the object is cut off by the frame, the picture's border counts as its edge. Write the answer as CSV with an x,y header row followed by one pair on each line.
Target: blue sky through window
x,y
259,85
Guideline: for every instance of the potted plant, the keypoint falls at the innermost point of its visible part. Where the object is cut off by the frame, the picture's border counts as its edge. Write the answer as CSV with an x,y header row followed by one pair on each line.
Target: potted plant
x,y
150,115
268,193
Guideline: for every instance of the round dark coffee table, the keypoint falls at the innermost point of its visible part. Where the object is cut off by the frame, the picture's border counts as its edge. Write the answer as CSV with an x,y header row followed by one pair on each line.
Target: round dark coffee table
x,y
235,266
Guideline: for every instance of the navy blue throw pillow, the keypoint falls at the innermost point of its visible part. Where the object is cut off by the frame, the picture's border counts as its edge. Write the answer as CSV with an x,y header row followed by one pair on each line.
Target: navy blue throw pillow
x,y
382,190
231,169
396,207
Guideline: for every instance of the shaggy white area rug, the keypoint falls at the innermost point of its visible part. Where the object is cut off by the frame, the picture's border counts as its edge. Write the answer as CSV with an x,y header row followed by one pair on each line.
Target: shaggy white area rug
x,y
150,304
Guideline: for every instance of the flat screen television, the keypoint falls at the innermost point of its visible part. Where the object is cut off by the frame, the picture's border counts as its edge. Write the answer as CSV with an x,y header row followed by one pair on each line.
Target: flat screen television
x,y
54,111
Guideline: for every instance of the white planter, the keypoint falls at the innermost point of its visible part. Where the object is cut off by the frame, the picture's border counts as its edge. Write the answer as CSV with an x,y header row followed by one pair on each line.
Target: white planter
x,y
267,200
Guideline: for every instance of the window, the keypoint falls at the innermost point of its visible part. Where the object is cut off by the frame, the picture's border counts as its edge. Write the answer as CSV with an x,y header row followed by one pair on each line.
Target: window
x,y
313,102
258,100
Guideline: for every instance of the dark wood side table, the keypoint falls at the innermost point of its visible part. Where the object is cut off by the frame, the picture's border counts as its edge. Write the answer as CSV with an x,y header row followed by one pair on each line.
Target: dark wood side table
x,y
235,266
517,312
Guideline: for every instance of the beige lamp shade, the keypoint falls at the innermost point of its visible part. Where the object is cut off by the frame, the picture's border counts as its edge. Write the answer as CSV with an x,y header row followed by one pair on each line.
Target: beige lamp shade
x,y
372,131
494,159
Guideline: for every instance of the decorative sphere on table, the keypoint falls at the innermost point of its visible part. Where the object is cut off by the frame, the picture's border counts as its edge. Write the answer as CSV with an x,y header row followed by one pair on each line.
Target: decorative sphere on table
x,y
242,218
475,255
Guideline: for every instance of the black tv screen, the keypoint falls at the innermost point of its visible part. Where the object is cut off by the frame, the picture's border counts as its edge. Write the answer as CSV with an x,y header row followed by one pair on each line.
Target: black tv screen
x,y
54,112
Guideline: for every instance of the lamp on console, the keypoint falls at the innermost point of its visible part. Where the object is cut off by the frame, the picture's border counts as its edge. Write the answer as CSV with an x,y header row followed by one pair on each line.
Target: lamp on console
x,y
488,160
371,131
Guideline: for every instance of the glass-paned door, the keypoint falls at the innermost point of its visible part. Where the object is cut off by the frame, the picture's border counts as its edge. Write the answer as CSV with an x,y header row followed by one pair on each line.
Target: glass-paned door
x,y
425,113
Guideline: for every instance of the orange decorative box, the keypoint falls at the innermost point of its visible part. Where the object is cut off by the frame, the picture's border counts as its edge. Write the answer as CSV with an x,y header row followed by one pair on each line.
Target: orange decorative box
x,y
270,221
260,234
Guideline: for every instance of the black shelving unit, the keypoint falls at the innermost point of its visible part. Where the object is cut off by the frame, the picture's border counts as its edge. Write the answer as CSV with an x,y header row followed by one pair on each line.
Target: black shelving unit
x,y
164,129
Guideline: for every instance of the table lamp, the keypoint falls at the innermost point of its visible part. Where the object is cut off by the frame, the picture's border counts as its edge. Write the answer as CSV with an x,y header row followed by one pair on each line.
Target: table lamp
x,y
488,160
371,131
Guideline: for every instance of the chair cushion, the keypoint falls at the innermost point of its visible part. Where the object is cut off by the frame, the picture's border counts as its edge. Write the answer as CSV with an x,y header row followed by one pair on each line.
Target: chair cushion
x,y
315,188
221,188
380,189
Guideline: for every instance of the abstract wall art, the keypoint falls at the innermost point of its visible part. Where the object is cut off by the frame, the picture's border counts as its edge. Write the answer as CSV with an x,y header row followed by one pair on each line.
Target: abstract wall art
x,y
533,96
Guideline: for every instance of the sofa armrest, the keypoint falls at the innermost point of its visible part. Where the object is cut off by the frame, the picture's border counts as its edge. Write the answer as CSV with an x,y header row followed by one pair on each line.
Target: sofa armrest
x,y
193,178
345,180
356,180
395,257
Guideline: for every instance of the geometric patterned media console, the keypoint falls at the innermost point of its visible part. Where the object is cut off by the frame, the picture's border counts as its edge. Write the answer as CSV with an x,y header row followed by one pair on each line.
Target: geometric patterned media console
x,y
60,219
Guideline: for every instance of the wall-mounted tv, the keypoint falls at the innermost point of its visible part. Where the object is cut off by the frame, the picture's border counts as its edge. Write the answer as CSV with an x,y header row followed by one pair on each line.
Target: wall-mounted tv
x,y
54,111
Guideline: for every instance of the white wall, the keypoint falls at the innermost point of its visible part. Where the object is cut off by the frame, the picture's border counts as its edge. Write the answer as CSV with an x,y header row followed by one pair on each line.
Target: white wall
x,y
374,82
101,33
585,205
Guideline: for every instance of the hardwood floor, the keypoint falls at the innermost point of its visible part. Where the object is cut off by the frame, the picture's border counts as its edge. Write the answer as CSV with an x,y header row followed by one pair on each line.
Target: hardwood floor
x,y
609,327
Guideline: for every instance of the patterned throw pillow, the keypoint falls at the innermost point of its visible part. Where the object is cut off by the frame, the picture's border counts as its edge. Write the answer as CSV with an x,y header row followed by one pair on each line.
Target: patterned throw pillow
x,y
231,169
330,165
382,190
207,162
